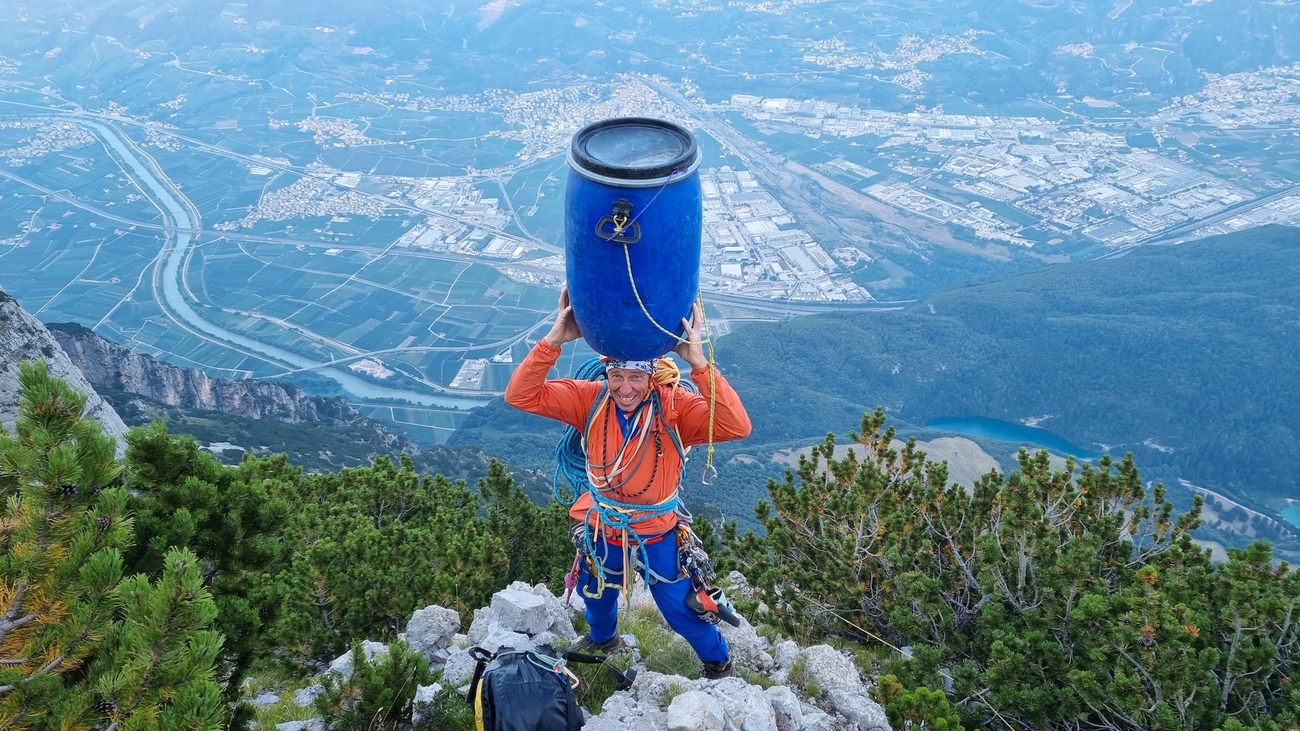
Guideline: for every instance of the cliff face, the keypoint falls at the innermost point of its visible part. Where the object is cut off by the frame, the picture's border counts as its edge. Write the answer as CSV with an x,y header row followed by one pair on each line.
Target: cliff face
x,y
109,364
114,366
23,338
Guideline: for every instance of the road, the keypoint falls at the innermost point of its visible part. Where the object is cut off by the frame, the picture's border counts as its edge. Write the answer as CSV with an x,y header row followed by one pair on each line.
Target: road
x,y
182,227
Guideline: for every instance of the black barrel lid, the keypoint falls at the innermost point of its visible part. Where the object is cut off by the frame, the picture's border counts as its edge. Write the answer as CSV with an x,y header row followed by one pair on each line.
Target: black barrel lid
x,y
633,150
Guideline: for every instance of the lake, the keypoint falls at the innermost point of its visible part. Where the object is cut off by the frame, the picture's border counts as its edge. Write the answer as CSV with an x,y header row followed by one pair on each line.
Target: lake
x,y
1005,431
1292,514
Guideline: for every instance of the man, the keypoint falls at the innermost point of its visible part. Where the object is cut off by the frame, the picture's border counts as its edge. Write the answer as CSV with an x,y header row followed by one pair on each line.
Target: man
x,y
633,429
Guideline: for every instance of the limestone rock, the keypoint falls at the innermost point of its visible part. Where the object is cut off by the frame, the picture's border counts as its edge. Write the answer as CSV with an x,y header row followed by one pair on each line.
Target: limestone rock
x,y
695,711
830,669
342,664
265,699
424,696
458,669
498,637
311,724
561,623
786,653
837,677
520,611
747,648
430,630
306,696
745,706
479,626
818,721
785,704
24,338
856,706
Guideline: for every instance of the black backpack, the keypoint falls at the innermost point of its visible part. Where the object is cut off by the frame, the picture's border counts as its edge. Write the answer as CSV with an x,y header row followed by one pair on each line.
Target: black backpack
x,y
529,690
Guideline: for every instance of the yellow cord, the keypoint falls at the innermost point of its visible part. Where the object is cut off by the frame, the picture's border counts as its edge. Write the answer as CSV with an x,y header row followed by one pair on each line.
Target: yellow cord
x,y
713,368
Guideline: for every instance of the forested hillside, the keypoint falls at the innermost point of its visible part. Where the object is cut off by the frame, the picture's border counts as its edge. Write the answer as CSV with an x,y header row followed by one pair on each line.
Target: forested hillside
x,y
1188,356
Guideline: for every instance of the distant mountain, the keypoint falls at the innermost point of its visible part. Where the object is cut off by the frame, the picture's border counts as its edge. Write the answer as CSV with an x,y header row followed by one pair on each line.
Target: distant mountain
x,y
24,338
1188,356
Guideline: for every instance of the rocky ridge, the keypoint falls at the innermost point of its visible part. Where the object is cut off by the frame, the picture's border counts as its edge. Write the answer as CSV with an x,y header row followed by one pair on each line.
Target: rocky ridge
x,y
523,616
108,364
24,338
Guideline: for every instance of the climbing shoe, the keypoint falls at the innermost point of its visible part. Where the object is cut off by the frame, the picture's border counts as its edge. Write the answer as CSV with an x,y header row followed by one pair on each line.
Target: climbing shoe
x,y
716,670
588,645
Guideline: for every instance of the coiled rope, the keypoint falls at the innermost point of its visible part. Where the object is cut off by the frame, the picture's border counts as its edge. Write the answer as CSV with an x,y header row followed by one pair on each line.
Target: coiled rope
x,y
572,463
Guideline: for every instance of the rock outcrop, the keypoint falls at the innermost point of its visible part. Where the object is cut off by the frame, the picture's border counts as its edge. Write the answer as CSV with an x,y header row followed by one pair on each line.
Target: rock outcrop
x,y
24,338
523,616
108,364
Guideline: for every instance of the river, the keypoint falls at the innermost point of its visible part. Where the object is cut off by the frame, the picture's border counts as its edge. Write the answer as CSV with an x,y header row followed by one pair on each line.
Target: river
x,y
1005,431
181,308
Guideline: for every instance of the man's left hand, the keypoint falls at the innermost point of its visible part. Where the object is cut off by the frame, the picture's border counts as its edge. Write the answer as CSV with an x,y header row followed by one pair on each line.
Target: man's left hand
x,y
692,351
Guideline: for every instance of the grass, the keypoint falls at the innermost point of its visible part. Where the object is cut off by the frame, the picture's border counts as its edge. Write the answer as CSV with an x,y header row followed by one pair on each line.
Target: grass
x,y
275,678
284,710
800,680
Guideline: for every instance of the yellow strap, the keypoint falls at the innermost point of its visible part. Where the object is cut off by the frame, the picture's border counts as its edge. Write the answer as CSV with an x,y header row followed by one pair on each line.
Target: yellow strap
x,y
713,368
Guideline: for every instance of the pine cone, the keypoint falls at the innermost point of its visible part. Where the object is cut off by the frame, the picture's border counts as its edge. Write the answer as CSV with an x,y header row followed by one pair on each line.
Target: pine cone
x,y
68,490
104,522
104,706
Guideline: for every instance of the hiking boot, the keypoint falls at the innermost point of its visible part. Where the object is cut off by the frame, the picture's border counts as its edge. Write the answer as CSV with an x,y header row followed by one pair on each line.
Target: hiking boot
x,y
718,670
588,645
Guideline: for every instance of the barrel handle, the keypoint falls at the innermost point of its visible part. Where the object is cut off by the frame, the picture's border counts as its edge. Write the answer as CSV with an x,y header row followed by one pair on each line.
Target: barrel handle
x,y
619,227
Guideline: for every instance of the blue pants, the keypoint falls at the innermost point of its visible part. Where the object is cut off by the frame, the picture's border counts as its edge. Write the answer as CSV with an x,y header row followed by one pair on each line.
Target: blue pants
x,y
670,596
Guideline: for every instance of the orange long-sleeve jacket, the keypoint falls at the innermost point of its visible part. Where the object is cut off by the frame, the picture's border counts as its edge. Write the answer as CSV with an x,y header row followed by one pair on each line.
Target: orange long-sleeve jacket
x,y
654,475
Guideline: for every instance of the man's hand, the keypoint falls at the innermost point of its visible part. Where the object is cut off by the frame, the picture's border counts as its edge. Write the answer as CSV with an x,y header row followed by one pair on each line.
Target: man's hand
x,y
565,329
692,351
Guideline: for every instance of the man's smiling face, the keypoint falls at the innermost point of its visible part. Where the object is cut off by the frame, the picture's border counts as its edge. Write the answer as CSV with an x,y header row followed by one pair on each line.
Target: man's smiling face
x,y
628,387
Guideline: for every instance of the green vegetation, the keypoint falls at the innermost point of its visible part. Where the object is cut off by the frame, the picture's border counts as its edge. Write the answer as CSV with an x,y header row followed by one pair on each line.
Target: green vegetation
x,y
1043,599
1182,354
255,563
377,695
81,644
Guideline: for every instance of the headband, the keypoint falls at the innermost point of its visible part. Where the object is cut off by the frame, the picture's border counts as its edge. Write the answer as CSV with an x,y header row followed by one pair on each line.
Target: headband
x,y
645,366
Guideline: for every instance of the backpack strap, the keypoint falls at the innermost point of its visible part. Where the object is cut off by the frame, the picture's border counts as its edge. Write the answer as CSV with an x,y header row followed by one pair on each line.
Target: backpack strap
x,y
624,679
482,658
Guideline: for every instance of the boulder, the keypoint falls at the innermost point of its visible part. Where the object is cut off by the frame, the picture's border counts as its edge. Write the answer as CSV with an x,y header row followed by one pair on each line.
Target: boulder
x,y
747,648
265,699
560,616
786,653
520,611
856,706
785,704
479,626
342,664
498,637
695,710
837,677
459,668
746,707
830,669
307,696
431,629
424,696
311,724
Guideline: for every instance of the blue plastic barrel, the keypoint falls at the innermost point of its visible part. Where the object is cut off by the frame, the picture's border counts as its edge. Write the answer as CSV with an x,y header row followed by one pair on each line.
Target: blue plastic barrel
x,y
632,203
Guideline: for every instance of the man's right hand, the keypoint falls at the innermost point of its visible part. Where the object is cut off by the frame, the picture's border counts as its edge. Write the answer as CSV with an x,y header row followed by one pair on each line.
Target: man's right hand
x,y
565,329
